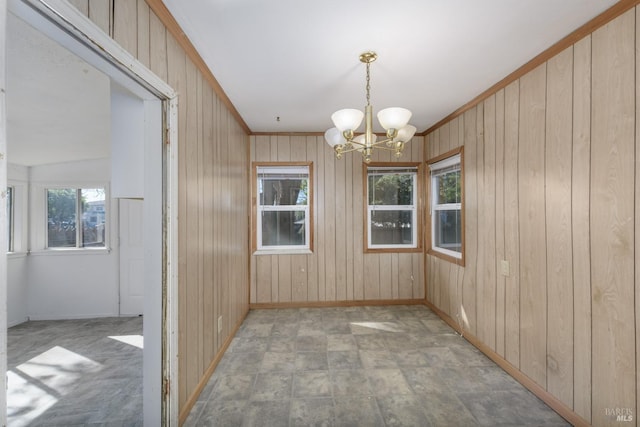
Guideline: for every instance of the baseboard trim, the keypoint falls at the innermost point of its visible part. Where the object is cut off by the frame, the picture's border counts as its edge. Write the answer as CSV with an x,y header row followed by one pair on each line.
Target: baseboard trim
x,y
563,410
351,303
191,401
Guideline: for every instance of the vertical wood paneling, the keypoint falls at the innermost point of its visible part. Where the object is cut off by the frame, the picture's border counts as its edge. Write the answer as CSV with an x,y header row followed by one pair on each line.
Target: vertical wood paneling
x,y
192,249
199,193
312,261
341,211
418,264
321,218
349,218
580,225
637,213
358,228
405,281
100,13
531,180
567,197
81,5
212,262
511,223
329,226
157,47
499,223
143,33
125,18
443,143
384,272
488,227
284,278
337,269
395,276
469,292
209,306
612,217
558,156
299,275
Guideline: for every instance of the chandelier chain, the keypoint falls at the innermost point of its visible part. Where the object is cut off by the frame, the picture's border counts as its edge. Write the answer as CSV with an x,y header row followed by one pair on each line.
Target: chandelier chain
x,y
368,84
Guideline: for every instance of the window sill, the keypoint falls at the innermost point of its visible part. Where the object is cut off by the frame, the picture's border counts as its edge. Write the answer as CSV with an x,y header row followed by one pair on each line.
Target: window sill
x,y
441,255
392,250
71,251
14,255
284,252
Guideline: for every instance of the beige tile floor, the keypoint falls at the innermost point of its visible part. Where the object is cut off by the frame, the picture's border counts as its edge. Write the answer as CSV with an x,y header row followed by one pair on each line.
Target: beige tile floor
x,y
75,373
360,366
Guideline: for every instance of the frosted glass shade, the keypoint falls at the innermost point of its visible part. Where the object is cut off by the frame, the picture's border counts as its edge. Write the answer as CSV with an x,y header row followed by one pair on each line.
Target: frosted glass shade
x,y
405,133
334,137
394,118
347,119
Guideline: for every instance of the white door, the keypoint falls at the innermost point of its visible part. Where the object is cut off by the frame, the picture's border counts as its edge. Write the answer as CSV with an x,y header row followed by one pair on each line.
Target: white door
x,y
131,257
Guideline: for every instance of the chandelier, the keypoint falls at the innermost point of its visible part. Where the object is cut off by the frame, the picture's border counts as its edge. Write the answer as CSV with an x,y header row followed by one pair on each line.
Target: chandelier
x,y
342,137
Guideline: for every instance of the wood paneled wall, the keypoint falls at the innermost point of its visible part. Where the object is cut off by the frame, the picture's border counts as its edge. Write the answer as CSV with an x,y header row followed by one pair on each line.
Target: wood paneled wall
x,y
552,188
338,270
213,192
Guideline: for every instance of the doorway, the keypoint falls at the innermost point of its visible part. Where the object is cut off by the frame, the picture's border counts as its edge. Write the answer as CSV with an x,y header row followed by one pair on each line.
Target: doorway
x,y
73,31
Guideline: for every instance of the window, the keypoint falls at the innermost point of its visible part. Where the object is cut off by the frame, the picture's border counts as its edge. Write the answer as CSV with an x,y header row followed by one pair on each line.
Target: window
x,y
10,217
392,207
76,217
446,197
283,201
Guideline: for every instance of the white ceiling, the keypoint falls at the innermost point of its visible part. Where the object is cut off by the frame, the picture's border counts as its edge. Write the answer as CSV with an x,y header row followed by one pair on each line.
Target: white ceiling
x,y
58,106
298,59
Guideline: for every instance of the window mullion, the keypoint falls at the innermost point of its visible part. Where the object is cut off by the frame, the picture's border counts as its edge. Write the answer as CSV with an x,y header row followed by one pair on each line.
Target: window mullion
x,y
78,222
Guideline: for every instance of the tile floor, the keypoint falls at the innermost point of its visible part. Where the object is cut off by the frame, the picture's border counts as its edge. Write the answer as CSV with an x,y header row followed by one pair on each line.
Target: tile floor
x,y
75,373
360,366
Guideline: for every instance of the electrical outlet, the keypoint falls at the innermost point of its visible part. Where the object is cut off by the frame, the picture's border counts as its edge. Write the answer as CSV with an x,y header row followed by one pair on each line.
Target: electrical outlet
x,y
219,324
504,268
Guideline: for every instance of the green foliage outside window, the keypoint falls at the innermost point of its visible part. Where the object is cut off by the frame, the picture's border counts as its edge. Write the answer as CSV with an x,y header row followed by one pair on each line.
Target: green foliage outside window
x,y
391,189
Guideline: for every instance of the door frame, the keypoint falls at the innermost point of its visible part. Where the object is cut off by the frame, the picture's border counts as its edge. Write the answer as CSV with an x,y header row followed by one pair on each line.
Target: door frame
x,y
65,24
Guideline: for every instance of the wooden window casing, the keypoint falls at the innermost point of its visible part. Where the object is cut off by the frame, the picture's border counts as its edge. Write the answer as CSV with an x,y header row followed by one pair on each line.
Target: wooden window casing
x,y
415,207
432,249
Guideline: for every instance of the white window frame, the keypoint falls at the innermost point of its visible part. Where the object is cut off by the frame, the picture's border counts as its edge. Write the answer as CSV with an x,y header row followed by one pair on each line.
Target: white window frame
x,y
11,218
436,169
262,170
412,170
19,218
78,247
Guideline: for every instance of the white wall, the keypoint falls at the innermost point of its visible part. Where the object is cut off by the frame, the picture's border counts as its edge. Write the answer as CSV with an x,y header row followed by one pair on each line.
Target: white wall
x,y
17,312
127,143
76,283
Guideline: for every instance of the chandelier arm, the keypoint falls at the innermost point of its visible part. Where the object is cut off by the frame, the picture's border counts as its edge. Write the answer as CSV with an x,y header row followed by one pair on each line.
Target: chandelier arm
x,y
350,150
385,148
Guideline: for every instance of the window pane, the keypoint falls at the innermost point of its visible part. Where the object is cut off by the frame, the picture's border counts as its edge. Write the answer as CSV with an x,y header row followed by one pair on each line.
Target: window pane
x,y
391,227
447,230
93,217
391,189
61,217
283,228
283,191
448,185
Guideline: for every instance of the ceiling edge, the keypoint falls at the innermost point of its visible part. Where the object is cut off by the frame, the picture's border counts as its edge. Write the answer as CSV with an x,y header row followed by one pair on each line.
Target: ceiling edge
x,y
599,21
165,16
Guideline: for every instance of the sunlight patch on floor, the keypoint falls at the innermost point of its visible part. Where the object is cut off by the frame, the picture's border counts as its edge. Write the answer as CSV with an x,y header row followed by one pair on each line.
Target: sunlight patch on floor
x,y
382,326
134,340
36,385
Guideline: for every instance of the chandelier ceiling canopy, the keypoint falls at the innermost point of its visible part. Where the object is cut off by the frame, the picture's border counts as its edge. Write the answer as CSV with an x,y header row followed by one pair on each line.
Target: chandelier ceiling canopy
x,y
343,139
